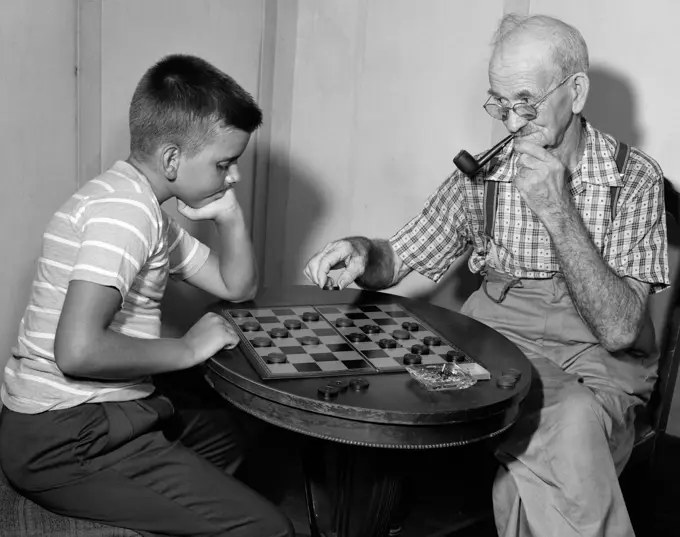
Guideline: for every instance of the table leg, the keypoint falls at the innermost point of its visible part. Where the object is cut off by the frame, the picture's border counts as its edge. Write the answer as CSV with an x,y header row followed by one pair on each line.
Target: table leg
x,y
350,491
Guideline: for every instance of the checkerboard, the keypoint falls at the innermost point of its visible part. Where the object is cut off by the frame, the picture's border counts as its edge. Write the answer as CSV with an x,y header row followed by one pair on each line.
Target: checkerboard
x,y
336,354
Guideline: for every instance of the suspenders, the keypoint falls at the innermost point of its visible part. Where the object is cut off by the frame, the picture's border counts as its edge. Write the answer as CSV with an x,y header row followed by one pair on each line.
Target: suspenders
x,y
491,191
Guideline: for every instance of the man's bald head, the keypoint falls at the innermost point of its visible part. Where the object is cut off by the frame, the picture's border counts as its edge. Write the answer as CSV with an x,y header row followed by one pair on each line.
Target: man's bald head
x,y
564,45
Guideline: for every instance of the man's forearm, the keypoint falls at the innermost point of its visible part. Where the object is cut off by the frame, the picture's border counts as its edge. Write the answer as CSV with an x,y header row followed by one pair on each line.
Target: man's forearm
x,y
238,266
608,305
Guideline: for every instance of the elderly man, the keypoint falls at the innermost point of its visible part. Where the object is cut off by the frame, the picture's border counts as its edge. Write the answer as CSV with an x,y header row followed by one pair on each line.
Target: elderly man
x,y
570,250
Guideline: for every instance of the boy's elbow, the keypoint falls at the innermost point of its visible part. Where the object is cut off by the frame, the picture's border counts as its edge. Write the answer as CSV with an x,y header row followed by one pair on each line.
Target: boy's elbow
x,y
243,295
70,353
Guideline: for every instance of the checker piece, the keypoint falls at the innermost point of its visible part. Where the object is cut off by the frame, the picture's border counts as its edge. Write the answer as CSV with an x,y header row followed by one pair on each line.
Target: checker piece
x,y
455,356
420,349
387,344
343,322
328,392
358,337
292,324
262,342
250,326
278,332
276,358
412,359
401,334
310,316
309,340
359,385
410,326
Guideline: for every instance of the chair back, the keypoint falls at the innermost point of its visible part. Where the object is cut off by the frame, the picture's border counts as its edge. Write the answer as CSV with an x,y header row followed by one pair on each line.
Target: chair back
x,y
665,312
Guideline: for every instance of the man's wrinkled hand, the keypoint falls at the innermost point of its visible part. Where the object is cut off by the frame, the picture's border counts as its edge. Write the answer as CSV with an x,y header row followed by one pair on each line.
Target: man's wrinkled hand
x,y
541,180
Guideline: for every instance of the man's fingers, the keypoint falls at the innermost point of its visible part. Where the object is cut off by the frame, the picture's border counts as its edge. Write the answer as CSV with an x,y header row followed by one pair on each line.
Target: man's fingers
x,y
527,148
332,255
355,268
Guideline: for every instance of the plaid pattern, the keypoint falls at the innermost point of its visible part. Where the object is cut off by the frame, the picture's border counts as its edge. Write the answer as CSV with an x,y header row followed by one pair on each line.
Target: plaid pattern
x,y
633,245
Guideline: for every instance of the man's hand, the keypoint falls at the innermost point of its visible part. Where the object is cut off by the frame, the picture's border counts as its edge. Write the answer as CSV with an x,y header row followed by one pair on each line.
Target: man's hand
x,y
208,336
349,253
224,206
541,180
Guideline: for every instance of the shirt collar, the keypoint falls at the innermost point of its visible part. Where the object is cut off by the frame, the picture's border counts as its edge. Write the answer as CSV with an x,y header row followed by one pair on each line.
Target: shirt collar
x,y
128,170
598,166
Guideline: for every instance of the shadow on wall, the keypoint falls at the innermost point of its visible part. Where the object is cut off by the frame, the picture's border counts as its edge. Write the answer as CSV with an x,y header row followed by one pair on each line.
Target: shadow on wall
x,y
611,106
295,205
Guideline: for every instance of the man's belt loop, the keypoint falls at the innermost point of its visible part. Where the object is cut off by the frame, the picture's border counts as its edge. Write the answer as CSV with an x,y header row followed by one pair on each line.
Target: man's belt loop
x,y
515,282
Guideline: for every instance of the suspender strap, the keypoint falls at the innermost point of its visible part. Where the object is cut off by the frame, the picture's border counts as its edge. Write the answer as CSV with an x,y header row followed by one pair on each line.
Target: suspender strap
x,y
621,159
490,204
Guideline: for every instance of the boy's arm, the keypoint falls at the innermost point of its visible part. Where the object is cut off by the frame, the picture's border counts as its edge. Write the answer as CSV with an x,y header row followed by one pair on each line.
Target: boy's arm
x,y
86,347
231,273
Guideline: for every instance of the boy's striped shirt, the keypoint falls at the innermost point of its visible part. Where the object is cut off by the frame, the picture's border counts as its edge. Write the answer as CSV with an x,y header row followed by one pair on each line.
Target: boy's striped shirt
x,y
111,232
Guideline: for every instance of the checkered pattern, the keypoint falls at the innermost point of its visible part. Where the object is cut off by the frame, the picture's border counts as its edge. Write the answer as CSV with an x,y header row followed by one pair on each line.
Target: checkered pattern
x,y
634,244
335,354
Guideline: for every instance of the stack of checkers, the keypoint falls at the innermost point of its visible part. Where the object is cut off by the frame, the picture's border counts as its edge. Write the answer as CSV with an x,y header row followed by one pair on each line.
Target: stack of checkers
x,y
332,389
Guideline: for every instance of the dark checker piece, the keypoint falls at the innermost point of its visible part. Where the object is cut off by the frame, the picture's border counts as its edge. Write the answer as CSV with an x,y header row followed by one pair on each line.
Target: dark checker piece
x,y
359,385
329,392
279,332
432,341
276,358
506,381
250,326
309,340
514,373
310,316
341,385
330,286
358,337
401,334
371,328
411,327
262,342
411,359
387,343
420,349
292,324
455,356
240,313
342,322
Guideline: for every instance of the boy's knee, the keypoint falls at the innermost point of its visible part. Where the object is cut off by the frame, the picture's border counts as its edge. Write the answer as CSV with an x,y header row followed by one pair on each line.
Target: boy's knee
x,y
272,523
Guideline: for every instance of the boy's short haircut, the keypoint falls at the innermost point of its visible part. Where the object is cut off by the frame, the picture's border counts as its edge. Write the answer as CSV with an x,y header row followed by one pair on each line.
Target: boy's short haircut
x,y
186,101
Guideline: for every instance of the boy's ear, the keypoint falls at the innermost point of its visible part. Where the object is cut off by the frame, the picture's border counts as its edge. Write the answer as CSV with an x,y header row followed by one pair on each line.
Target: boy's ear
x,y
170,161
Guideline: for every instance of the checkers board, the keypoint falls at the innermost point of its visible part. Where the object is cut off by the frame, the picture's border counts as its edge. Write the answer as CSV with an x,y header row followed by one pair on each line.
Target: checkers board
x,y
340,339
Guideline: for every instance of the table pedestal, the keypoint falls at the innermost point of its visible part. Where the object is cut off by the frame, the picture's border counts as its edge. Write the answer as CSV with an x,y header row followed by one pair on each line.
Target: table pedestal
x,y
351,491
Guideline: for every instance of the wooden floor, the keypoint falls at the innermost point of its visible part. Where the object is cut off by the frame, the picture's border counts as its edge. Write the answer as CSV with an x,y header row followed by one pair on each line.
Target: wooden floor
x,y
448,490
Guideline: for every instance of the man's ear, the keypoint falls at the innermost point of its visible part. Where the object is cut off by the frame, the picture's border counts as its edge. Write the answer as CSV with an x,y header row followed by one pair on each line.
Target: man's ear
x,y
170,161
580,86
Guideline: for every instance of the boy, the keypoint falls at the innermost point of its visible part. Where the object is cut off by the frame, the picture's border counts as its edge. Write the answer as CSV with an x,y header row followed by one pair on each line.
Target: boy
x,y
84,433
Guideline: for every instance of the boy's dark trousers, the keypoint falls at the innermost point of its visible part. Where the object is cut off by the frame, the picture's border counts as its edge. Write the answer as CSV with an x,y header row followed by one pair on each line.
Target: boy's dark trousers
x,y
149,465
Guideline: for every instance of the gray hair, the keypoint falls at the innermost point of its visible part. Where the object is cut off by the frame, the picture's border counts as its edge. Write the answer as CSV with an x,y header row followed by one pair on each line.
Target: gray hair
x,y
568,48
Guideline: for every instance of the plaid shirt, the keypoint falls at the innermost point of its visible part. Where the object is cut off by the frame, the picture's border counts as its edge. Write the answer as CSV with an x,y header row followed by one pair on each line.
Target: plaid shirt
x,y
633,245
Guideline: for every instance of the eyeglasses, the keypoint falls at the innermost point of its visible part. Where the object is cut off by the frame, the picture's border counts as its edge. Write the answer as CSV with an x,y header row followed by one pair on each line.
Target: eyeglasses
x,y
524,110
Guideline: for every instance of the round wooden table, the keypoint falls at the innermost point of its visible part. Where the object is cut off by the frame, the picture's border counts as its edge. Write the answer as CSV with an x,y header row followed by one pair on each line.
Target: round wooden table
x,y
393,415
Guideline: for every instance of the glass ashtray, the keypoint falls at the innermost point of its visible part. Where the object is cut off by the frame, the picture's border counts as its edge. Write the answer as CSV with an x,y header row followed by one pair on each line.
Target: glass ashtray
x,y
446,376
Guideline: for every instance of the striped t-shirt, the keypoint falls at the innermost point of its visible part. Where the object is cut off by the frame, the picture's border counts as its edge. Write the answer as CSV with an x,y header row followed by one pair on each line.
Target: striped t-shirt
x,y
111,232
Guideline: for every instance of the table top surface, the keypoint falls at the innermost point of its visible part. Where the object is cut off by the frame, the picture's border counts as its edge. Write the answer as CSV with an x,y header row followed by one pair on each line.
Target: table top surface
x,y
392,398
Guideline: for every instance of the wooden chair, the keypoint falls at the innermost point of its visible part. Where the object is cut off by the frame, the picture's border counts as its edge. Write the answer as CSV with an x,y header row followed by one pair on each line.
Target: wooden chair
x,y
651,423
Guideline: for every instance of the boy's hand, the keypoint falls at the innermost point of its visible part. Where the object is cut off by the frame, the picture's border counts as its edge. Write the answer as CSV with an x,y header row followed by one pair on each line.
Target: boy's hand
x,y
208,336
226,205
